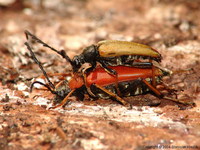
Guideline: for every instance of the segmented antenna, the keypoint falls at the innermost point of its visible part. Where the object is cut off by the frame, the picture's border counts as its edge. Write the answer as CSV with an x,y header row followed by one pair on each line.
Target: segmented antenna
x,y
39,64
61,52
47,86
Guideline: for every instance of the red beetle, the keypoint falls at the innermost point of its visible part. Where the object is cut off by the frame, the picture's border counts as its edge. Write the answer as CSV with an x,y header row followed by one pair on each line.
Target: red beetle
x,y
131,81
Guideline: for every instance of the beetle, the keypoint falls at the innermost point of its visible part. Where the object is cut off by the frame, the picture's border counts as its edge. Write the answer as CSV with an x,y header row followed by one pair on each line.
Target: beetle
x,y
109,53
132,81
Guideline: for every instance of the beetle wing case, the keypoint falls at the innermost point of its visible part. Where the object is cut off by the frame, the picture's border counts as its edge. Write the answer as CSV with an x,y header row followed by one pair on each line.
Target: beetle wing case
x,y
112,48
129,79
101,77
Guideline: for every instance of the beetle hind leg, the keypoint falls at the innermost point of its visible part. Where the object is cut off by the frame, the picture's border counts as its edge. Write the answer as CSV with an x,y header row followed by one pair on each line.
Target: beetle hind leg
x,y
160,95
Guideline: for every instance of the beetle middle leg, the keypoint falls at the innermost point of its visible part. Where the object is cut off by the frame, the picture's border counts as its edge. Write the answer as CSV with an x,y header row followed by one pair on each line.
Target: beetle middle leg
x,y
119,99
111,72
90,68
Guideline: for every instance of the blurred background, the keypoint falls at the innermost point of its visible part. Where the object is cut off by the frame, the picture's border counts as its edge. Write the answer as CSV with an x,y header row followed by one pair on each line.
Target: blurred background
x,y
171,27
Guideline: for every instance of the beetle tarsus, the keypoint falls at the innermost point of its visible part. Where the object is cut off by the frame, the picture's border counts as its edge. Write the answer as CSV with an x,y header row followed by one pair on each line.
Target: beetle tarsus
x,y
179,101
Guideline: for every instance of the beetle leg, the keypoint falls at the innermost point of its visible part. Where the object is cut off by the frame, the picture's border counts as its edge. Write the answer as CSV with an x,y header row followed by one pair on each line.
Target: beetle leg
x,y
165,70
84,72
119,99
142,64
175,99
64,101
59,83
179,101
87,87
105,66
153,76
166,87
157,92
111,72
117,86
147,65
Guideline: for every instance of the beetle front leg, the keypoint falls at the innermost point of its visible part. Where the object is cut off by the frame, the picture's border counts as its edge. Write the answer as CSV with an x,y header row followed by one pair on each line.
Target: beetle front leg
x,y
64,101
84,73
105,66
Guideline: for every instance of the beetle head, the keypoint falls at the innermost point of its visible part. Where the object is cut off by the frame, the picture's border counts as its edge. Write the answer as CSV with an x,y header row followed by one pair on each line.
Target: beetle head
x,y
60,94
77,62
88,55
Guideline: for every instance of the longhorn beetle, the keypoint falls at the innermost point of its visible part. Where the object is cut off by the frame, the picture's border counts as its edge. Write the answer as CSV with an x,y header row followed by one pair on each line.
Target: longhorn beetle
x,y
109,53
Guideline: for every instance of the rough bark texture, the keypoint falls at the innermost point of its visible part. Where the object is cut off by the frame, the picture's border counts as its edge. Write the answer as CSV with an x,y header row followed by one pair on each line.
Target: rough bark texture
x,y
171,27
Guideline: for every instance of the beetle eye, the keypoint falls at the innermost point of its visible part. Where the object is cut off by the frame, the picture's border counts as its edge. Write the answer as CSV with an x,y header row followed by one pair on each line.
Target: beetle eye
x,y
76,62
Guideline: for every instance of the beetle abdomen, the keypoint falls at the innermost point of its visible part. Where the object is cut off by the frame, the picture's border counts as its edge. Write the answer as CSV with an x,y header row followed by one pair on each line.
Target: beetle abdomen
x,y
128,88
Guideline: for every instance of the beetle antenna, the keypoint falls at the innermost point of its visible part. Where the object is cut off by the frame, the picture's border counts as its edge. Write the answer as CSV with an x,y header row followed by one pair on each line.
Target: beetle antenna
x,y
39,64
47,86
61,52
